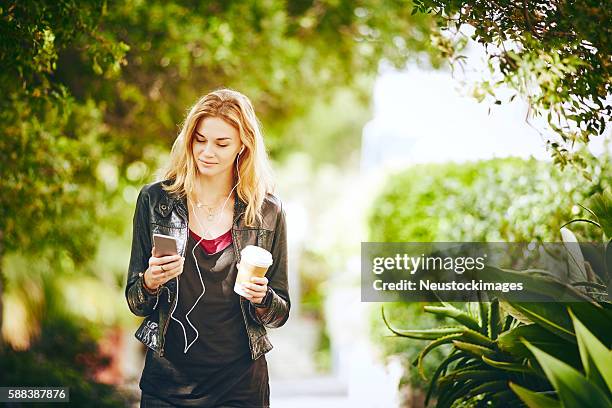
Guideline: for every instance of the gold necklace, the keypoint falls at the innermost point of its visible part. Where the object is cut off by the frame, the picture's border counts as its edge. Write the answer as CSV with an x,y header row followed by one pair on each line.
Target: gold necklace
x,y
209,208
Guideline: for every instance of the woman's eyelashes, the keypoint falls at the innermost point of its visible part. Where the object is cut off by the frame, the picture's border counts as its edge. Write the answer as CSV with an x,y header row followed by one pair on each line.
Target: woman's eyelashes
x,y
204,141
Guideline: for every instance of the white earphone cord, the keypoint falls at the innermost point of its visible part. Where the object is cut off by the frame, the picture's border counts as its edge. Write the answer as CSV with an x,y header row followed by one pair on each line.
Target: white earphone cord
x,y
198,268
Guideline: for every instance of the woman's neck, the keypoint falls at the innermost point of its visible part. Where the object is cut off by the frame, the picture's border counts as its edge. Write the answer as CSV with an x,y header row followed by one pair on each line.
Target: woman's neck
x,y
213,189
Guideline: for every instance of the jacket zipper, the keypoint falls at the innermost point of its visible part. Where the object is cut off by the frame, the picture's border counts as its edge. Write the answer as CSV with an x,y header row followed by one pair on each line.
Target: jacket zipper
x,y
246,328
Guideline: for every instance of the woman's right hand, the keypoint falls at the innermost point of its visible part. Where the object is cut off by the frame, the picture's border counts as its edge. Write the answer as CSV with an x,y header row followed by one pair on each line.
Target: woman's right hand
x,y
161,270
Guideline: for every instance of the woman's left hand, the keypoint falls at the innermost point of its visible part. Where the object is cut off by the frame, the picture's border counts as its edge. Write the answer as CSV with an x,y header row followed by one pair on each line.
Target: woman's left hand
x,y
256,289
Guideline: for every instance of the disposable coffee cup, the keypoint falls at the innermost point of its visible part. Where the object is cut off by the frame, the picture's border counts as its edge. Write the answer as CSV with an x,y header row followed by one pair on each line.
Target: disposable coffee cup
x,y
255,261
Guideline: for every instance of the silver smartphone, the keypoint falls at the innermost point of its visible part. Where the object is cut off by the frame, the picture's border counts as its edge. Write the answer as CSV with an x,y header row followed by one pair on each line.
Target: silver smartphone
x,y
165,245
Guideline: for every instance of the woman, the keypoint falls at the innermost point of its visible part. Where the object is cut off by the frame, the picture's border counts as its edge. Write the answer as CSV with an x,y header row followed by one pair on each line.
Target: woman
x,y
206,344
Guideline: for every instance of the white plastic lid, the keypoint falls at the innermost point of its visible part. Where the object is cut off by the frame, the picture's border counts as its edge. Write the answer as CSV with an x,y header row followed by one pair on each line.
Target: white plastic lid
x,y
256,256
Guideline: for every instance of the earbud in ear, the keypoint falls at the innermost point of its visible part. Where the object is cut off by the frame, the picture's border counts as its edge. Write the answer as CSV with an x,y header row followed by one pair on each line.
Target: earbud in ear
x,y
241,150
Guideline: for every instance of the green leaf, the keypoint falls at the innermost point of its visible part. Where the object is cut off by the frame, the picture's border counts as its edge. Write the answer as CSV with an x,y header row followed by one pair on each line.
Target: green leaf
x,y
431,346
488,387
424,334
507,366
510,342
573,248
596,358
505,398
472,375
493,320
573,388
535,283
534,399
472,336
451,394
438,372
96,66
581,220
483,315
609,263
555,318
474,349
551,316
597,318
601,205
456,314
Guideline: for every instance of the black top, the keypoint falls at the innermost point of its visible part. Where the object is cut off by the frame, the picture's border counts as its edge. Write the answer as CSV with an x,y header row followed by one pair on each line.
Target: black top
x,y
217,369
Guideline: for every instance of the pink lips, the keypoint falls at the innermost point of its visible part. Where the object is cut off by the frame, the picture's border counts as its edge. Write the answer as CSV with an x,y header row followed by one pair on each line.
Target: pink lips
x,y
207,163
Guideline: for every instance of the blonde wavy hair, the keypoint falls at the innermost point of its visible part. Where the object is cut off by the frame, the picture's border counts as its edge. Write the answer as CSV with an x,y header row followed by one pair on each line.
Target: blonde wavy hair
x,y
254,165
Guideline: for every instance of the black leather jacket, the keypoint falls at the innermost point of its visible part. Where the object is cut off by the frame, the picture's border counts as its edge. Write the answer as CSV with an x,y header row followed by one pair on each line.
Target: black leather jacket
x,y
159,212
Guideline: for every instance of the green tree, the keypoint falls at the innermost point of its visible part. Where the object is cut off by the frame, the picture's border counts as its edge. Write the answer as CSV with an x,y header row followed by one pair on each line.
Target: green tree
x,y
93,91
48,148
286,56
556,54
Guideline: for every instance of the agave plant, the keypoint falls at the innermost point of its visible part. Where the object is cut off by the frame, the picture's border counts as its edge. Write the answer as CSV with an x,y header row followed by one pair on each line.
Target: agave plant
x,y
507,353
491,348
593,388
